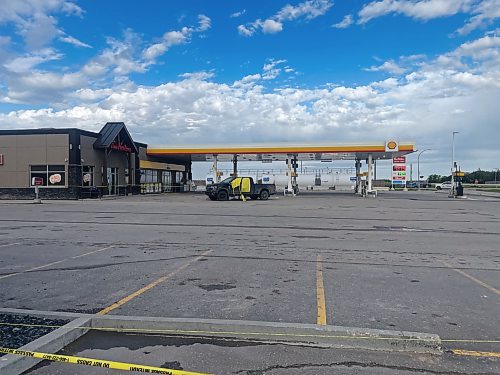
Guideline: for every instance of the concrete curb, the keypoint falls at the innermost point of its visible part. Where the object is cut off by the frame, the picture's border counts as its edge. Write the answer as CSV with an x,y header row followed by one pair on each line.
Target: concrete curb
x,y
296,333
291,333
50,343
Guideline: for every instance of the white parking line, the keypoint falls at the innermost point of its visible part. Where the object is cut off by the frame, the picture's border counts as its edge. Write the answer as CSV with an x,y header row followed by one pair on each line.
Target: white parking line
x,y
10,244
53,263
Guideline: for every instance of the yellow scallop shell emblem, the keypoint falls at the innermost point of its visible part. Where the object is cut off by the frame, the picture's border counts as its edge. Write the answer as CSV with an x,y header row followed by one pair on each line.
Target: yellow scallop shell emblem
x,y
392,145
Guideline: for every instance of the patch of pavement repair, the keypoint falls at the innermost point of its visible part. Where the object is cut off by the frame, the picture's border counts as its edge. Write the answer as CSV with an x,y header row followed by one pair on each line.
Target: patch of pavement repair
x,y
212,287
222,356
19,330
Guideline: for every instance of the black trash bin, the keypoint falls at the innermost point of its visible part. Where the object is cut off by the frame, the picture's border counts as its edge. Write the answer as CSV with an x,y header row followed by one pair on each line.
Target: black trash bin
x,y
460,190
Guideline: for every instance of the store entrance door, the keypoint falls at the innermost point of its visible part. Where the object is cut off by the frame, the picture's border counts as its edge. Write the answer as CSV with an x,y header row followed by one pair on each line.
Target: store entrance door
x,y
113,181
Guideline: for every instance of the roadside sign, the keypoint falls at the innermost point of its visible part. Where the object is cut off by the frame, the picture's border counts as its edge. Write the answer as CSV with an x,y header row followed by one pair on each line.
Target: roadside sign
x,y
399,160
399,170
37,181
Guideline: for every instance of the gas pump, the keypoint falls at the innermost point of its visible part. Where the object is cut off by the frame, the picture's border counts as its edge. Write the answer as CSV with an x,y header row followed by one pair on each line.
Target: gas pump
x,y
458,188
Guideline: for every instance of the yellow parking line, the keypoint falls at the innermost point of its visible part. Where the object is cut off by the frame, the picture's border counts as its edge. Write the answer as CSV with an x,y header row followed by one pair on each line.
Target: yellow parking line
x,y
473,353
477,281
53,263
320,292
151,285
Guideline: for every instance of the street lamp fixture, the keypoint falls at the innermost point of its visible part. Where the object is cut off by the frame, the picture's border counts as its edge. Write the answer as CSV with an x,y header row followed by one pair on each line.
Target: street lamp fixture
x,y
418,165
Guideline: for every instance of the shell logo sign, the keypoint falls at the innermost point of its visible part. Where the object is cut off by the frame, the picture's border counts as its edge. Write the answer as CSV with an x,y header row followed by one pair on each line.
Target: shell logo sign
x,y
391,146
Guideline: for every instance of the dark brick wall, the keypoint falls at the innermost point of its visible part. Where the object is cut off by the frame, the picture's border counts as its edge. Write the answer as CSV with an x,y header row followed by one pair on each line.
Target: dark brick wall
x,y
29,193
75,180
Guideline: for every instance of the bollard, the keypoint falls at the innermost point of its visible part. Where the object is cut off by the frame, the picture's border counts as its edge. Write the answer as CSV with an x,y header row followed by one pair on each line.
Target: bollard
x,y
37,199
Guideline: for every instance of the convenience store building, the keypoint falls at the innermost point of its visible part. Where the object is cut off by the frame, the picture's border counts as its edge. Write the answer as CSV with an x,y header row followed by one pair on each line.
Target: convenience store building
x,y
73,163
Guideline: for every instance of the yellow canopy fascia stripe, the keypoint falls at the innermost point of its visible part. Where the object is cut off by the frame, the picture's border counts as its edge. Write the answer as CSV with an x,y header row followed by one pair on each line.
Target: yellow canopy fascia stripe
x,y
276,150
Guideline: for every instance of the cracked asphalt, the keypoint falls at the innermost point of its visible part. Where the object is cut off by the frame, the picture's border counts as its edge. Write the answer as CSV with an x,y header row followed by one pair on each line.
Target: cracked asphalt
x,y
403,261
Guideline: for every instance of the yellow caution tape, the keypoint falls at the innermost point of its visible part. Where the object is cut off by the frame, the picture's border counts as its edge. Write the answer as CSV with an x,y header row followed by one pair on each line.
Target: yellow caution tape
x,y
473,353
97,362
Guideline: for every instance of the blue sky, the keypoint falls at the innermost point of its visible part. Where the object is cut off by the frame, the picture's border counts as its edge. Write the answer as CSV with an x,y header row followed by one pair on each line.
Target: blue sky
x,y
179,72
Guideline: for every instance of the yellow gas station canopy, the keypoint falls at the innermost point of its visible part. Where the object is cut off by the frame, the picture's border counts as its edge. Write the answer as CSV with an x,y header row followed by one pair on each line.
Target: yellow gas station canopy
x,y
280,152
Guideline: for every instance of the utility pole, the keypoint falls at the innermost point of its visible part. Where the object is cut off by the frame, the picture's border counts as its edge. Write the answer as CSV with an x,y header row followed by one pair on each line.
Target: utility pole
x,y
418,165
453,162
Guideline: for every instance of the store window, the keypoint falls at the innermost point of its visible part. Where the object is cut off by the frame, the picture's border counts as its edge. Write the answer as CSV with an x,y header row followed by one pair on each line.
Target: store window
x,y
150,181
88,175
166,181
149,176
51,175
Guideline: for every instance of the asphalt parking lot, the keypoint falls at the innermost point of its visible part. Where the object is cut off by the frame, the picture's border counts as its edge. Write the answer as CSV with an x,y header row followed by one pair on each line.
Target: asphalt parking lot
x,y
403,261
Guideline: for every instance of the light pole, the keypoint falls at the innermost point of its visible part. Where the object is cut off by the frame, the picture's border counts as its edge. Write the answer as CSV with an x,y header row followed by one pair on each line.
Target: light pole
x,y
453,162
418,165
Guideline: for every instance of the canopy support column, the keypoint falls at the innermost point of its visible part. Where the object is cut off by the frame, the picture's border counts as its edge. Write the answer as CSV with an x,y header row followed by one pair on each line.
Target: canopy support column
x,y
295,165
215,170
290,188
369,189
235,165
357,189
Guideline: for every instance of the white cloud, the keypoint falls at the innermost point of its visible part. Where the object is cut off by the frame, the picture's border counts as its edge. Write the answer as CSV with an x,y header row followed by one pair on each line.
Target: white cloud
x,y
483,11
250,78
69,7
309,10
38,31
271,26
198,76
25,64
176,37
205,23
243,30
238,14
345,23
154,51
72,40
421,9
25,76
14,11
389,66
42,87
272,69
34,21
172,38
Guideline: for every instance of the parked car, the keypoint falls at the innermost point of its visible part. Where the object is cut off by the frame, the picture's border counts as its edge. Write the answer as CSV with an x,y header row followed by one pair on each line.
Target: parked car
x,y
447,185
414,184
